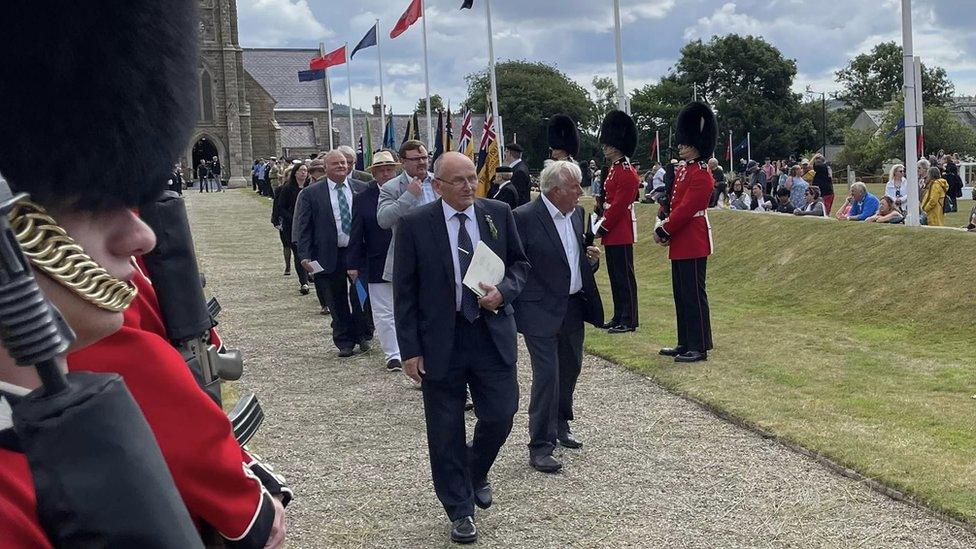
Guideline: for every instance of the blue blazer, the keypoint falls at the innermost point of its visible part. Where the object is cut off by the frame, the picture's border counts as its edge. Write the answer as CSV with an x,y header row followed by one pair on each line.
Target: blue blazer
x,y
368,242
423,284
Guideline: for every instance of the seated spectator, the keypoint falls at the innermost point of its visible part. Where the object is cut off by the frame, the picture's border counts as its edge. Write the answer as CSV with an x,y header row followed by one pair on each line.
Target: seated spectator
x,y
933,198
783,204
761,202
813,204
972,215
739,199
797,186
888,212
863,203
756,175
897,186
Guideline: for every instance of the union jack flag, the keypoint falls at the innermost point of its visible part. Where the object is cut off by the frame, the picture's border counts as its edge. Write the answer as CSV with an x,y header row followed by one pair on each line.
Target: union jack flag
x,y
465,139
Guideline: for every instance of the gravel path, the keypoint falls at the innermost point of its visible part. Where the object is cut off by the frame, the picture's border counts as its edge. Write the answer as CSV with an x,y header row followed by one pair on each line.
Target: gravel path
x,y
656,470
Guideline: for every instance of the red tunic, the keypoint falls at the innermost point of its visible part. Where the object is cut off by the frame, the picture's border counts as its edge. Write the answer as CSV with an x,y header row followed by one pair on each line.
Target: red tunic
x,y
19,525
687,226
619,191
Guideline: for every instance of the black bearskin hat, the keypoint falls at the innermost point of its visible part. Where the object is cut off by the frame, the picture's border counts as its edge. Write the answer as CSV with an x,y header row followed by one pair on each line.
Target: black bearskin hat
x,y
563,134
698,128
95,112
619,131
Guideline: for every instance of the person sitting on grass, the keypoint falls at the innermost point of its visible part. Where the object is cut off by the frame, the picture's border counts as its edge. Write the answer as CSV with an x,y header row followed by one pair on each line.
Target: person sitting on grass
x,y
933,199
783,204
814,204
761,202
739,198
863,203
888,212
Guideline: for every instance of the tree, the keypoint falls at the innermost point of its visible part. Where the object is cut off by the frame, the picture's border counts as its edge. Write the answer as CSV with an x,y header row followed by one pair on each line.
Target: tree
x,y
436,103
606,96
654,108
873,79
528,94
809,131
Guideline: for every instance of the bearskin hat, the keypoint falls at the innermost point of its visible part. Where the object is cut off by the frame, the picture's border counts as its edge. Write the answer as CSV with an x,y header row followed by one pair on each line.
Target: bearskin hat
x,y
697,128
94,114
619,131
563,134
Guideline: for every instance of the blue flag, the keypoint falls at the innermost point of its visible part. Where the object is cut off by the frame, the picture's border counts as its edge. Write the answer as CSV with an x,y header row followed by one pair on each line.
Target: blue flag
x,y
389,139
308,76
742,146
368,41
899,126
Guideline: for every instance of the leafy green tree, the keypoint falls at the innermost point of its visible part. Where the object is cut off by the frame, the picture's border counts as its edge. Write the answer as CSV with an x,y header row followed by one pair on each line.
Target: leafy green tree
x,y
606,96
809,129
655,108
436,103
873,79
528,94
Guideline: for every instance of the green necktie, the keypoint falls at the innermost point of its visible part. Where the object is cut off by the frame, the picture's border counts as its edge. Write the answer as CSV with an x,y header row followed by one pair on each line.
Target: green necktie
x,y
344,216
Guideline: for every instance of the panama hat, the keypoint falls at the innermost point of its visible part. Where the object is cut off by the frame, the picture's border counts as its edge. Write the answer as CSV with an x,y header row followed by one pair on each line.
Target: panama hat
x,y
382,158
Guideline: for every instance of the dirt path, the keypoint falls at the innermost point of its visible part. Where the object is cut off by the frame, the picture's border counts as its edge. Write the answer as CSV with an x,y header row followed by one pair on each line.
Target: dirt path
x,y
656,471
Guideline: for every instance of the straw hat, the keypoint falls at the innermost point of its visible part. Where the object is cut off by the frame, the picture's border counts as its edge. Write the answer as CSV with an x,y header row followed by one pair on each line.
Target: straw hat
x,y
382,158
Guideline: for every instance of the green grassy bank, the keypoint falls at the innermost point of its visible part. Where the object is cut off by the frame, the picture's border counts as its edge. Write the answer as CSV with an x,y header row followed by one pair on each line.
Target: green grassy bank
x,y
853,340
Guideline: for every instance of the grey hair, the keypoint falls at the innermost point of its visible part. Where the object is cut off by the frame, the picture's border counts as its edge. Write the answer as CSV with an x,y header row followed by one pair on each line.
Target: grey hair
x,y
924,164
860,186
934,173
557,173
346,150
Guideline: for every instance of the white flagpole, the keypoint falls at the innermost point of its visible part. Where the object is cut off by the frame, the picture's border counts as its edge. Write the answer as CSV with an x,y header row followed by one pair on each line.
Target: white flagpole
x,y
352,127
731,155
328,96
657,144
430,122
494,84
748,146
911,115
621,93
379,57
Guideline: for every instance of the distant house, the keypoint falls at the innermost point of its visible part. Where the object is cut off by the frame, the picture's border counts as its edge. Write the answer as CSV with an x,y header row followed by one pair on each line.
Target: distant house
x,y
869,120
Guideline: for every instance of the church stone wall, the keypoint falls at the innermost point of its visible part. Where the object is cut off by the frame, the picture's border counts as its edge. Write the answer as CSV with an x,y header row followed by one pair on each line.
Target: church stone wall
x,y
263,139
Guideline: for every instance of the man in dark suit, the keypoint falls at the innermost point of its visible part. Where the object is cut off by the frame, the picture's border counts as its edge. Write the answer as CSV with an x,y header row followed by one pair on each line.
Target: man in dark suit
x,y
368,246
321,230
450,338
560,294
520,172
505,190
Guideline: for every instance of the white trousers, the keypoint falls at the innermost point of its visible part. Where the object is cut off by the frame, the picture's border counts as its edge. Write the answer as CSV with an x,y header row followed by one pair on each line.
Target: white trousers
x,y
381,300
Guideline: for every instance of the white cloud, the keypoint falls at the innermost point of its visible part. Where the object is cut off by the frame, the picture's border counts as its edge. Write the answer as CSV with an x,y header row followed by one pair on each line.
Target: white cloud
x,y
278,22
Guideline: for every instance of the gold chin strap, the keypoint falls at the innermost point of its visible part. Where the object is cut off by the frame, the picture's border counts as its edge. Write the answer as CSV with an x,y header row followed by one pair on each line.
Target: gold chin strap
x,y
49,248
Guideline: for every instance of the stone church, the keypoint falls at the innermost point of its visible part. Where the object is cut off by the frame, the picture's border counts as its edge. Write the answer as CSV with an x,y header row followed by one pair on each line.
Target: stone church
x,y
253,106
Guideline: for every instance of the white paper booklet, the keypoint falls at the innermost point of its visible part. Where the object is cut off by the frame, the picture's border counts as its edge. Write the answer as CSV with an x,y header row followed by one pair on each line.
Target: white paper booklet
x,y
485,267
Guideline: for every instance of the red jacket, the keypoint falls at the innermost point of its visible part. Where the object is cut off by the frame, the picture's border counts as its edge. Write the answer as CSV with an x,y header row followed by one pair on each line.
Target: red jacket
x,y
19,525
687,227
619,192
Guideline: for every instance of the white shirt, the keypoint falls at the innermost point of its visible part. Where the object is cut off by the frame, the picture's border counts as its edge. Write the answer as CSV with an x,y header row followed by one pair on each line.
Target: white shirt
x,y
658,181
6,415
891,189
515,163
453,224
427,194
334,196
564,227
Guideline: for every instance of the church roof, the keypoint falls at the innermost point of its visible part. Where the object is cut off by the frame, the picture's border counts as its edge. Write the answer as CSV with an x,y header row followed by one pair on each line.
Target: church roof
x,y
276,69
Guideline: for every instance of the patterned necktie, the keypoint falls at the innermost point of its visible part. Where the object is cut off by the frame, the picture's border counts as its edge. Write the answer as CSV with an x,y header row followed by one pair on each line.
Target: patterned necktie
x,y
344,216
469,303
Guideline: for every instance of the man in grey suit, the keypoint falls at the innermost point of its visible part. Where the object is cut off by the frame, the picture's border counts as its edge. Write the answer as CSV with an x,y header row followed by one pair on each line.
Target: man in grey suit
x,y
412,188
560,293
321,229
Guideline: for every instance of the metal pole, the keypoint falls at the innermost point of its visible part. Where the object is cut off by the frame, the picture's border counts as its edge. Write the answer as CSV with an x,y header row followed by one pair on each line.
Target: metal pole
x,y
911,121
823,97
731,155
494,83
430,122
328,96
748,146
379,57
621,94
657,140
352,127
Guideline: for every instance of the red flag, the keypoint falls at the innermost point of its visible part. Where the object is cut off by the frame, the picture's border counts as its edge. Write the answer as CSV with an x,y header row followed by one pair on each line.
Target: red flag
x,y
408,18
654,146
921,143
330,59
728,151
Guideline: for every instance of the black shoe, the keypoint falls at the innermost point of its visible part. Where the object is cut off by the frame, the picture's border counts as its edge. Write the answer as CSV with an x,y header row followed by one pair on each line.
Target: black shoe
x,y
347,352
610,324
304,289
672,351
482,494
287,272
463,530
394,365
363,346
621,329
691,356
568,440
325,311
545,463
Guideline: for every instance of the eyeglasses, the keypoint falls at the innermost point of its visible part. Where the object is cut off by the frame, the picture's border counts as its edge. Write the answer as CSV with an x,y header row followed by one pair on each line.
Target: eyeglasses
x,y
415,158
470,182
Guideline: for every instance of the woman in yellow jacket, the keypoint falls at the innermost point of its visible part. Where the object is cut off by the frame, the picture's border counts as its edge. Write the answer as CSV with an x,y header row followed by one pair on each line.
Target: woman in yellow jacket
x,y
934,197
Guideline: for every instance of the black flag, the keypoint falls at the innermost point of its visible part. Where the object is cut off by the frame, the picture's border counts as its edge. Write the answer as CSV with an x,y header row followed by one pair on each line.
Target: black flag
x,y
466,5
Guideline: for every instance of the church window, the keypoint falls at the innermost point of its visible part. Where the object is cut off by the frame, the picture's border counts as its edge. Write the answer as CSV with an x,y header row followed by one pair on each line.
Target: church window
x,y
206,97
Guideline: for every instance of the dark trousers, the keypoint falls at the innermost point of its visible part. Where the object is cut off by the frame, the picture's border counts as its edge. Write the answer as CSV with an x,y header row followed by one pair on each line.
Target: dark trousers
x,y
348,321
556,363
691,304
254,182
475,363
205,183
299,270
623,284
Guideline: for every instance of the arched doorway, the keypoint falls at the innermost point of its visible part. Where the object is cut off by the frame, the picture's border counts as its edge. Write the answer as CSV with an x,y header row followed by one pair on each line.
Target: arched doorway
x,y
203,149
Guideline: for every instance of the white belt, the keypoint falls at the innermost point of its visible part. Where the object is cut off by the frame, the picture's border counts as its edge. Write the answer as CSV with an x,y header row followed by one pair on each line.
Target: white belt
x,y
700,213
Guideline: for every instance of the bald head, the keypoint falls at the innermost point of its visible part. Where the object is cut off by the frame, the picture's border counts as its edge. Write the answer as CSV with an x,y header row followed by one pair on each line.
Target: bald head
x,y
451,161
455,179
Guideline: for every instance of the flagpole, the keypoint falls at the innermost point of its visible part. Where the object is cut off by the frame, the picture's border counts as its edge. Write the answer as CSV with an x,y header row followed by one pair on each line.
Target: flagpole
x,y
748,146
430,122
352,126
731,155
657,144
494,81
379,57
328,96
621,94
911,115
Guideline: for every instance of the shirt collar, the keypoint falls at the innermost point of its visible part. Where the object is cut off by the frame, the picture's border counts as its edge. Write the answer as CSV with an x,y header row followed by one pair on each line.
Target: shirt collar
x,y
333,184
553,210
515,163
450,212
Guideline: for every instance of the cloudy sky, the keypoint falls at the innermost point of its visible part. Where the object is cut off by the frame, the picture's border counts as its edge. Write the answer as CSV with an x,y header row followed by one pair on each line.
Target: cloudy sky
x,y
576,36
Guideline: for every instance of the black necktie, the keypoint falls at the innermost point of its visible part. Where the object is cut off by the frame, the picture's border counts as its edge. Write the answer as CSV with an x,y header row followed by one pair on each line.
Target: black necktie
x,y
469,303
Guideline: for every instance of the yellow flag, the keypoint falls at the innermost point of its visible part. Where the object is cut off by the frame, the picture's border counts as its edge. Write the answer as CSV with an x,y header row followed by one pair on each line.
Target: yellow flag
x,y
487,174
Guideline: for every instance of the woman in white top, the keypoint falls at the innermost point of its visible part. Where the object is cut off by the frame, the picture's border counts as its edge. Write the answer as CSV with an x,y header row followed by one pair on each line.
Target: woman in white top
x,y
897,187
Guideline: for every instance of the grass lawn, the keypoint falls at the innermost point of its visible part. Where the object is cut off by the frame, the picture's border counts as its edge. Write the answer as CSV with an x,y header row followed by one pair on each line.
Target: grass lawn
x,y
853,340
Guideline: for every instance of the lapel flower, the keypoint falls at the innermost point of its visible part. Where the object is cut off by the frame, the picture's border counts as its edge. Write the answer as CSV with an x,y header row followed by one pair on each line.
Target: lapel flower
x,y
491,226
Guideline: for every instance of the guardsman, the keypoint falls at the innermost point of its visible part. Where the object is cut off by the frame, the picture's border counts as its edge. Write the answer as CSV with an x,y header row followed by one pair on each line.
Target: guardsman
x,y
617,226
563,136
688,235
